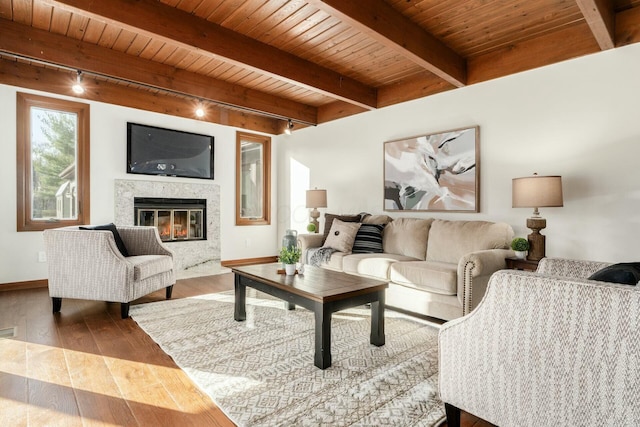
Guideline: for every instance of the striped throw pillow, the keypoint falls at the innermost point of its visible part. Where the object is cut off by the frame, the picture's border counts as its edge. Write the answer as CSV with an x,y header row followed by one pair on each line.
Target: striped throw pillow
x,y
369,239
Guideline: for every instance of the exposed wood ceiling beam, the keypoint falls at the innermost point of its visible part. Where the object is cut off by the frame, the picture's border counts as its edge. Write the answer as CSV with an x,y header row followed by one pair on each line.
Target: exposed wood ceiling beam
x,y
395,31
600,17
42,45
176,27
49,80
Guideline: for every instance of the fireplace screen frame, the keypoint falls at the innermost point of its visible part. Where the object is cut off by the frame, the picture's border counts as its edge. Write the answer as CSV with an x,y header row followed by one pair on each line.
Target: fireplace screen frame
x,y
177,220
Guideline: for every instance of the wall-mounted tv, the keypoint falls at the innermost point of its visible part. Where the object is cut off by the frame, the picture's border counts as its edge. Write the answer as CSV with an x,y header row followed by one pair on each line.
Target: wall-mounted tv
x,y
156,151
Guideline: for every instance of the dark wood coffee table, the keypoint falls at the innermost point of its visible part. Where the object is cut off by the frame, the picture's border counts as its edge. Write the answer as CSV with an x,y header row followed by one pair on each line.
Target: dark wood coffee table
x,y
321,291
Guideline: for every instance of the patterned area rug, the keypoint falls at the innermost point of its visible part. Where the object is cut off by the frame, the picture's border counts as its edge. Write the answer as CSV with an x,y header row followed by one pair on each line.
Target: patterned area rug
x,y
260,372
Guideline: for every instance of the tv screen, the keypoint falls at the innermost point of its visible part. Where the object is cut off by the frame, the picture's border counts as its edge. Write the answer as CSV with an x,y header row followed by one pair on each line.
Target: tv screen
x,y
157,151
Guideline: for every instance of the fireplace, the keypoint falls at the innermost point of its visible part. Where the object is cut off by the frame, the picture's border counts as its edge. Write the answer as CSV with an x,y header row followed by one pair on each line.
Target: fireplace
x,y
176,219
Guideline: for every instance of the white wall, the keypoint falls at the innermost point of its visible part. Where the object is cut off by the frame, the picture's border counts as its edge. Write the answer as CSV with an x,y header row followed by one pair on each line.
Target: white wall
x,y
19,251
578,119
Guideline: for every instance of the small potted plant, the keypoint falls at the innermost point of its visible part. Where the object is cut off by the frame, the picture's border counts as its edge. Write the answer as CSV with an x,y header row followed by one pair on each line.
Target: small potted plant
x,y
289,256
520,246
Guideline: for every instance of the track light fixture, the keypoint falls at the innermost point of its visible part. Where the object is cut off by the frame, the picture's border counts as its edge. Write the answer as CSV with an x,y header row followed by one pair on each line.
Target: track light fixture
x,y
289,127
200,111
77,88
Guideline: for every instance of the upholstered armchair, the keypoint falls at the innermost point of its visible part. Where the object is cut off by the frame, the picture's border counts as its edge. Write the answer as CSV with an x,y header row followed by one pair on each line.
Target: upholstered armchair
x,y
88,264
545,349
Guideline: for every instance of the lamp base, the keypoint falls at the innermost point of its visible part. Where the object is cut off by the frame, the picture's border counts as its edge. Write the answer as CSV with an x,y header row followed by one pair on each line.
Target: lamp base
x,y
314,215
537,241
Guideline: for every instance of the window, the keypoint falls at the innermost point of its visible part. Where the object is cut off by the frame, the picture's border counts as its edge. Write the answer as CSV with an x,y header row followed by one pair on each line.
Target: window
x,y
253,179
52,163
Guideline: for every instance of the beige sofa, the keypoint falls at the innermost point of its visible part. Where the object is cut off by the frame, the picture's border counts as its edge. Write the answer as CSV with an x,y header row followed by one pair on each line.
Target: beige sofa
x,y
435,267
550,348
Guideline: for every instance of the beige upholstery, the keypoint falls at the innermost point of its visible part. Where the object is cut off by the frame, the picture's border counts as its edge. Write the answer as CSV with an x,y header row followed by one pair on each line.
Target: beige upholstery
x,y
86,264
396,233
546,350
445,284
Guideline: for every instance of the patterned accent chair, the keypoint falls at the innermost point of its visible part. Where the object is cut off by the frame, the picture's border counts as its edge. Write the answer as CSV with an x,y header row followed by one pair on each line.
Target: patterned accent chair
x,y
547,348
87,264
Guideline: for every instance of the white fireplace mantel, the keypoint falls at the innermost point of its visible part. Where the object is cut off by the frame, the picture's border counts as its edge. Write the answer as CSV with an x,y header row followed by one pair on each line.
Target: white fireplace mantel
x,y
201,256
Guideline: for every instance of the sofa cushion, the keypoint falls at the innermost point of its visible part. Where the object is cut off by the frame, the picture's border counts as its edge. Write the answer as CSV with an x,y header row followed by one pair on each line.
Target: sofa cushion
x,y
368,239
376,219
407,236
371,265
328,221
451,240
627,273
342,235
145,266
432,276
116,236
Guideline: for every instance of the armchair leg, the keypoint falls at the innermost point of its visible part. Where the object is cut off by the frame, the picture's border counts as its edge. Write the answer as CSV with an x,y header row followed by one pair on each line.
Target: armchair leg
x,y
169,291
57,304
124,310
453,415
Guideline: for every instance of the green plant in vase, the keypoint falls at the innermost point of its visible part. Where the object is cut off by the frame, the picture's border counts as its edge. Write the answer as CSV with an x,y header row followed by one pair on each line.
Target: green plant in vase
x,y
289,256
520,246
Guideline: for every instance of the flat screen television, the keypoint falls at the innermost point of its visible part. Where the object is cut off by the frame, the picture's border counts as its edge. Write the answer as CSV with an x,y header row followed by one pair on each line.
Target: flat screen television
x,y
156,151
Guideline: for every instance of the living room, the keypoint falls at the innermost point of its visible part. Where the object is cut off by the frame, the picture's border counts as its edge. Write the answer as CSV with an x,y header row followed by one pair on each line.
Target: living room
x,y
574,118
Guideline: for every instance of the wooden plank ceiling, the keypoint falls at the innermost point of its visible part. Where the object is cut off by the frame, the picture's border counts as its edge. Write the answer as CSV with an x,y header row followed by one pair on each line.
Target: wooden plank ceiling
x,y
256,64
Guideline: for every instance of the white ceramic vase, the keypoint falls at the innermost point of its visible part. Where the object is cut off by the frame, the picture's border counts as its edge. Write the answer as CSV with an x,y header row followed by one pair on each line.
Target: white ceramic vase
x,y
521,254
290,269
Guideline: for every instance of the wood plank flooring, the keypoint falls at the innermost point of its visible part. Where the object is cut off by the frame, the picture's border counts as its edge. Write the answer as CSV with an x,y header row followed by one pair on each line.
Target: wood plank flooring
x,y
86,366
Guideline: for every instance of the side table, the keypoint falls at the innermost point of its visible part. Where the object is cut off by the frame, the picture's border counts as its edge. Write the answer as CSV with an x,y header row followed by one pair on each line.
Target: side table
x,y
521,264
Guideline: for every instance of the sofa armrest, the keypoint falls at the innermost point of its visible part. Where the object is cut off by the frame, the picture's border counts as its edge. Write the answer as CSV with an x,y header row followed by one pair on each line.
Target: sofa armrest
x,y
142,240
474,271
526,352
308,241
575,268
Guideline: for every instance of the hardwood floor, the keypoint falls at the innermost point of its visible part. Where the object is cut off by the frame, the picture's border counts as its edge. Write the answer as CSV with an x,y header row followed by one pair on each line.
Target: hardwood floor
x,y
87,366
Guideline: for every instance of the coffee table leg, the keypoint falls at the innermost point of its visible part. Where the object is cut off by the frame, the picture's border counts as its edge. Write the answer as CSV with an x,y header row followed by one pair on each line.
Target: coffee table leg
x,y
377,320
322,358
240,300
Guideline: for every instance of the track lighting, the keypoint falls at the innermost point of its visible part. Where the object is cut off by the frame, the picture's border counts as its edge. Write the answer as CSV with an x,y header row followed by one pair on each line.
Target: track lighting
x,y
77,88
200,111
289,127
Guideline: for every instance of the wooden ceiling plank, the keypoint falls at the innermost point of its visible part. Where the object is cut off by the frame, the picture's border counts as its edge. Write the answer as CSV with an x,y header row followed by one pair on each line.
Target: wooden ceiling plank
x,y
628,26
77,26
390,28
42,16
23,11
188,30
94,31
42,45
533,53
256,19
6,9
600,17
60,21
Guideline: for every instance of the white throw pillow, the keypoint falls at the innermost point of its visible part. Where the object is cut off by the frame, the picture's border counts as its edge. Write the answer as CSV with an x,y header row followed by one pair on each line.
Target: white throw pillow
x,y
342,235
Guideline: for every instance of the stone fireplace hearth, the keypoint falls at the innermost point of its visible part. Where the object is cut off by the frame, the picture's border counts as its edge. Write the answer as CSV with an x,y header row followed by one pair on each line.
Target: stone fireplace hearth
x,y
194,257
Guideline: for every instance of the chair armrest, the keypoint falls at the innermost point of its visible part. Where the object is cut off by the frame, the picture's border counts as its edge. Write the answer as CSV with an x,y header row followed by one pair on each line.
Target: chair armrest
x,y
142,240
575,268
308,241
521,357
474,271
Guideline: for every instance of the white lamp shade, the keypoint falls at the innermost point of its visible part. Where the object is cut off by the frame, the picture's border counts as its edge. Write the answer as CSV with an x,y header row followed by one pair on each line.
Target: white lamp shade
x,y
316,198
537,192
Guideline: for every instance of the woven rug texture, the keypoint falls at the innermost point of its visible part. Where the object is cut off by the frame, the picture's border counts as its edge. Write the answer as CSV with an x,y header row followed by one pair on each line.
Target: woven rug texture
x,y
260,372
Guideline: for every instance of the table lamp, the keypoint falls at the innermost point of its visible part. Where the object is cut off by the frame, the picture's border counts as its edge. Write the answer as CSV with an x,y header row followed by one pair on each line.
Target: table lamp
x,y
316,199
536,192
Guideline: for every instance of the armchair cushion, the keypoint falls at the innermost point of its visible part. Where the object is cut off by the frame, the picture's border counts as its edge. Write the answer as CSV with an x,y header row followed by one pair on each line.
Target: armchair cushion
x,y
145,266
627,273
112,228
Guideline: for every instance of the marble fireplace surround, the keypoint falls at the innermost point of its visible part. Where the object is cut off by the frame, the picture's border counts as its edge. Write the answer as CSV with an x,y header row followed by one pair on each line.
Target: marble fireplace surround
x,y
192,258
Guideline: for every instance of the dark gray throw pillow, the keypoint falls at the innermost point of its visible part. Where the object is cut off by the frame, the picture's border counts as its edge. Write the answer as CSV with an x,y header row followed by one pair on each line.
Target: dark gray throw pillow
x,y
369,239
112,228
627,273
